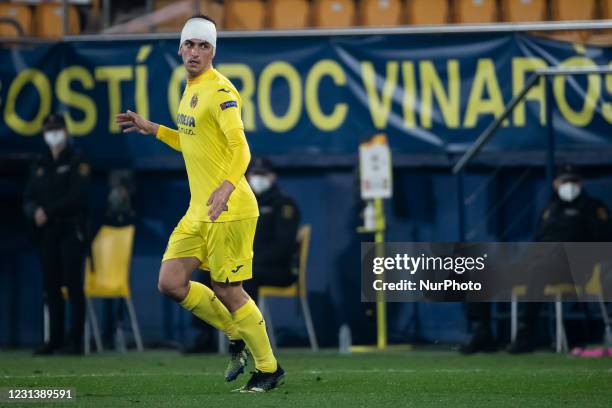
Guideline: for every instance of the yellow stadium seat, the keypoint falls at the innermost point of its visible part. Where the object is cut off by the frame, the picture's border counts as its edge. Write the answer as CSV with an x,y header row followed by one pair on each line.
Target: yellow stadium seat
x,y
209,8
333,13
19,13
558,291
606,9
289,14
110,275
563,10
49,21
380,12
427,11
573,9
244,14
112,254
516,11
475,11
296,290
96,8
592,289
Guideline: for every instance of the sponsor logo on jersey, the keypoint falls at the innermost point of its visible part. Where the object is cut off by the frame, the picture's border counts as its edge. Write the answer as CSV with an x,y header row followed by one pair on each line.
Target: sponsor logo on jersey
x,y
185,120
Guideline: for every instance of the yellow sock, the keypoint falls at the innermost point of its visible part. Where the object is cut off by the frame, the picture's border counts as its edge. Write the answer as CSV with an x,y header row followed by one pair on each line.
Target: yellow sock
x,y
202,302
252,329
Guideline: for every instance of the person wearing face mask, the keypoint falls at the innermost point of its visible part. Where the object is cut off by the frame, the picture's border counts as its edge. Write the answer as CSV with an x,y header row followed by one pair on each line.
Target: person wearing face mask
x,y
571,215
275,237
55,203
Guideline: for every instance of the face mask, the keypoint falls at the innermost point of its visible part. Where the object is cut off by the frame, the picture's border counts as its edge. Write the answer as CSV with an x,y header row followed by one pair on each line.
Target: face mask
x,y
569,191
259,184
55,137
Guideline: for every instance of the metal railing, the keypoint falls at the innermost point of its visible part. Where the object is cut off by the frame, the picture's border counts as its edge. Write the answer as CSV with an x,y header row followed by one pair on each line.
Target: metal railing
x,y
486,136
553,26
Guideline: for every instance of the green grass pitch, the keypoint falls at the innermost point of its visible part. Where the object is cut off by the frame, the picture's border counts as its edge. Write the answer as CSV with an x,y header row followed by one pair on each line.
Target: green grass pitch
x,y
390,379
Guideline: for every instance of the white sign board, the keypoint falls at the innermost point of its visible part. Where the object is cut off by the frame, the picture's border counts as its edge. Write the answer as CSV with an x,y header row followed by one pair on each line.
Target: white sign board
x,y
375,168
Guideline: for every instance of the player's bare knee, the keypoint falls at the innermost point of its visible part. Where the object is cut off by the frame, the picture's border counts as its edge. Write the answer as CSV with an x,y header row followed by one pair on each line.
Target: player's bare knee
x,y
174,278
171,288
164,287
221,292
231,295
225,293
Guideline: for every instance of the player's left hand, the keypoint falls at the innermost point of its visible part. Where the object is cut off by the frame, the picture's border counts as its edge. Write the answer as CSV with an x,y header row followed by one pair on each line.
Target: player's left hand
x,y
218,199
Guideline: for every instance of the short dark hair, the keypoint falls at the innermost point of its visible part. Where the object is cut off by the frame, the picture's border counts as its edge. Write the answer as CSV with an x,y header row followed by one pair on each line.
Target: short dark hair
x,y
204,17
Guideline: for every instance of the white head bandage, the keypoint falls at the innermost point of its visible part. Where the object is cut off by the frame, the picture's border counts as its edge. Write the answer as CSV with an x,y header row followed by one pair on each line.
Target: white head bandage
x,y
199,29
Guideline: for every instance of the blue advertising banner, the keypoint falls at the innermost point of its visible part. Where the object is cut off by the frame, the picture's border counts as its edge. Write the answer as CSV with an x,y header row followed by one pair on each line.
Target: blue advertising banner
x,y
313,99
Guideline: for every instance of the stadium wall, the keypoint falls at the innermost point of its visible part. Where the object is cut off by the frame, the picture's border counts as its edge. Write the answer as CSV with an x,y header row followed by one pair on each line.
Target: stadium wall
x,y
424,209
316,165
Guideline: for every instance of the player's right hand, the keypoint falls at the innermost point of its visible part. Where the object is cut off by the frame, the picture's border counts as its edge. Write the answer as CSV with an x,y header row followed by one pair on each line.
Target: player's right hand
x,y
133,122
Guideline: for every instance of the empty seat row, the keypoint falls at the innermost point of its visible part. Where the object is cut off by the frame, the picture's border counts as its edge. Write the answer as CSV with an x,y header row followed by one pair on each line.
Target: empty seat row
x,y
45,20
42,20
292,14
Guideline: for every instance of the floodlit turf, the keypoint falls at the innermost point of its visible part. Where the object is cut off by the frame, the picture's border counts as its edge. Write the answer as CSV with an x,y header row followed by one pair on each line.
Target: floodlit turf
x,y
392,379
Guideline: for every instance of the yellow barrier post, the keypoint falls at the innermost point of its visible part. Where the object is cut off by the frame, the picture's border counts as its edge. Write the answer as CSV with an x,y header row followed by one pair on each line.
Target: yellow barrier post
x,y
379,240
375,179
381,306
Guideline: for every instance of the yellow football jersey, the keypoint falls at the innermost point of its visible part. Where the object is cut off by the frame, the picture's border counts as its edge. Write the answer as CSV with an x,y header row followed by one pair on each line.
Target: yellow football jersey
x,y
209,126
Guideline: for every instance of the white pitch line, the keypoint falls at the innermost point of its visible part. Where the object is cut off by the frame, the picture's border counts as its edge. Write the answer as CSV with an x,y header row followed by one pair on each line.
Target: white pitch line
x,y
314,371
333,371
396,370
106,375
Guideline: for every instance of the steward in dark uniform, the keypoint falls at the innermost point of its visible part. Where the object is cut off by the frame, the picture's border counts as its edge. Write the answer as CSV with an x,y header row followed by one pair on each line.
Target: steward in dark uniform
x,y
570,216
583,220
55,202
275,245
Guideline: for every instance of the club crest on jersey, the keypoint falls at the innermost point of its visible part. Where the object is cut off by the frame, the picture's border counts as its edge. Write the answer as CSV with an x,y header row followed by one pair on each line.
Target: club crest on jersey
x,y
229,104
194,101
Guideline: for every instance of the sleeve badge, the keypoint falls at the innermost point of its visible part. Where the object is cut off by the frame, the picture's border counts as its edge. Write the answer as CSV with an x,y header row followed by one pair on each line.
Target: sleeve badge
x,y
228,104
287,211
